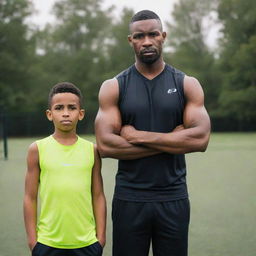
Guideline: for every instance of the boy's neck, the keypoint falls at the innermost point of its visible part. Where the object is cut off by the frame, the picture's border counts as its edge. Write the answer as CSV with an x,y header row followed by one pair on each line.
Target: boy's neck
x,y
65,138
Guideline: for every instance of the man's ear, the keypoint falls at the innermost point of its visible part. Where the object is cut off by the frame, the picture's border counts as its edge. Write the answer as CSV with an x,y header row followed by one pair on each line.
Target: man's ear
x,y
130,39
164,36
81,114
48,113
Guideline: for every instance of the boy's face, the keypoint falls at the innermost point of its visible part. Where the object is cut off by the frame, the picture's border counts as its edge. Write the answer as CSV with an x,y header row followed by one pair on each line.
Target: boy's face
x,y
65,111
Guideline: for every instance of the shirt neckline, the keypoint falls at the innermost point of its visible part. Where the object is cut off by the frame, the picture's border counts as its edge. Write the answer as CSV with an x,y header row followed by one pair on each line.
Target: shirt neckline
x,y
63,145
145,78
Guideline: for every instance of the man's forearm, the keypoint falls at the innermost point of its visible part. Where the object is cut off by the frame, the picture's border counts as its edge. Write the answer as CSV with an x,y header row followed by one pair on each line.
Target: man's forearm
x,y
178,142
117,147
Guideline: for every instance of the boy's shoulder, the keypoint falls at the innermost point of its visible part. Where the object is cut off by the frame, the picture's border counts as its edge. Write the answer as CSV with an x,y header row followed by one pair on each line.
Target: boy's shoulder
x,y
85,142
41,143
43,140
35,146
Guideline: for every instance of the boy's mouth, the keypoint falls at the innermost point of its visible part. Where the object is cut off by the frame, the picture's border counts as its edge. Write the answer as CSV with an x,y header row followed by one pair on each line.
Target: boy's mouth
x,y
66,122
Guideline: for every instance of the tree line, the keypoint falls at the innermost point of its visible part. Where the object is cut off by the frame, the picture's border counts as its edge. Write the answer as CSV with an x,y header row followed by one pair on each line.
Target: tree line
x,y
88,44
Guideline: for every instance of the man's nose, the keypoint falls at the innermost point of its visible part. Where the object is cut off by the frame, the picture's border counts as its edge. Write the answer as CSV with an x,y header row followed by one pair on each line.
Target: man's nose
x,y
147,42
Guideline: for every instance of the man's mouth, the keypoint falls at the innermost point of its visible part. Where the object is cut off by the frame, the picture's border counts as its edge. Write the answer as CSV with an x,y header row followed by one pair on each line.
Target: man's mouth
x,y
148,52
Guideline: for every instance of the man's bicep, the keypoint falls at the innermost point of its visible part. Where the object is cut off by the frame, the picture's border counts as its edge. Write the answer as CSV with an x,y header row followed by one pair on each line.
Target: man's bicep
x,y
195,113
196,116
108,121
108,118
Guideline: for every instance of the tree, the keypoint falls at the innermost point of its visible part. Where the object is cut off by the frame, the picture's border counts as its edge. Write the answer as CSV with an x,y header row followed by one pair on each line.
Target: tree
x,y
238,97
190,52
73,47
16,53
120,54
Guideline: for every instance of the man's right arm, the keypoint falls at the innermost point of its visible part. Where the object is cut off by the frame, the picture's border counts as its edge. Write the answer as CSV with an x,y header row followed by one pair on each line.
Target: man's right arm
x,y
108,125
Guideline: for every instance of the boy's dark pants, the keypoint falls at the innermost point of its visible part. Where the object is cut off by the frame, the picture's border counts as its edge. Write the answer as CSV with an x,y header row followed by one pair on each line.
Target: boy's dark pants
x,y
137,224
44,250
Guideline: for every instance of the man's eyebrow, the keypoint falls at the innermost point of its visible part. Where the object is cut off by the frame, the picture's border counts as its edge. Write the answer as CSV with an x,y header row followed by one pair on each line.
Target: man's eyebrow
x,y
146,32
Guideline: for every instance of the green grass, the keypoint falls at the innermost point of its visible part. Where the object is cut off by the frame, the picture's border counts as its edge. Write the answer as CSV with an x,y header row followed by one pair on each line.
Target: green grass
x,y
221,187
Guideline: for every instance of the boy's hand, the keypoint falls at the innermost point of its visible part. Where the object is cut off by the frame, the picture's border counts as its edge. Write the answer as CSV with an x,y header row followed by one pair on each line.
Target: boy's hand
x,y
102,241
32,244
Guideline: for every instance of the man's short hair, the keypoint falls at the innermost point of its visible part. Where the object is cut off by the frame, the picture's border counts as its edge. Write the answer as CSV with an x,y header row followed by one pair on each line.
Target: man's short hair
x,y
62,88
145,15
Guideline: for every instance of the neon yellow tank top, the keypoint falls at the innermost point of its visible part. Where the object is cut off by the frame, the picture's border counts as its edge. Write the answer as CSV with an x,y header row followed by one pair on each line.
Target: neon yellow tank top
x,y
66,217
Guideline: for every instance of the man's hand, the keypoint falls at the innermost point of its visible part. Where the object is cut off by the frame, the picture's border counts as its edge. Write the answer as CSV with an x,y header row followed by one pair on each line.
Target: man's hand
x,y
129,133
178,128
134,136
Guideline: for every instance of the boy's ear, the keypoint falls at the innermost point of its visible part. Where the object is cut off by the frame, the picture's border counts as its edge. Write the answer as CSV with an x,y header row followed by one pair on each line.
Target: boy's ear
x,y
49,114
81,114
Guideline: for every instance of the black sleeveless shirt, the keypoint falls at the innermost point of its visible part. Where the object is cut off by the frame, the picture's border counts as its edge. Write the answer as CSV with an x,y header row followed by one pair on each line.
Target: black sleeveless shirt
x,y
152,105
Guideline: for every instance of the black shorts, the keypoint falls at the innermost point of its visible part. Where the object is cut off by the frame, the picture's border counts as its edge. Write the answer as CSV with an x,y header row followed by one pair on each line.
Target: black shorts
x,y
137,224
44,250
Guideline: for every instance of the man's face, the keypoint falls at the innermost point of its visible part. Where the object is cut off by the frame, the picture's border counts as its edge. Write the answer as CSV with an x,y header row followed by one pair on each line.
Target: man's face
x,y
147,39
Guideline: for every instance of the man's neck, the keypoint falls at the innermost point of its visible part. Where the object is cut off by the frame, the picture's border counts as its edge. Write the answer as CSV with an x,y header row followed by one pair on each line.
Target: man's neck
x,y
150,71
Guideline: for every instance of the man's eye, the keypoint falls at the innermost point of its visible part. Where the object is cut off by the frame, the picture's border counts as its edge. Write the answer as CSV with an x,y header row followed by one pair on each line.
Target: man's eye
x,y
153,34
138,36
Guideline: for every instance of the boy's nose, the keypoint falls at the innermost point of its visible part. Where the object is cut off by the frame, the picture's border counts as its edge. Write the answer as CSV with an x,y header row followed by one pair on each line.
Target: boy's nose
x,y
65,113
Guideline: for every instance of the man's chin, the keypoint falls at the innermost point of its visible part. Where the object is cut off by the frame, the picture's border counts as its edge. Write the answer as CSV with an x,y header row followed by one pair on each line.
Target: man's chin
x,y
149,59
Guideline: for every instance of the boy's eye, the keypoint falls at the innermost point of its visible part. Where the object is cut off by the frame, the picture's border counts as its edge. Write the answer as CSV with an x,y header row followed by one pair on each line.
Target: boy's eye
x,y
57,107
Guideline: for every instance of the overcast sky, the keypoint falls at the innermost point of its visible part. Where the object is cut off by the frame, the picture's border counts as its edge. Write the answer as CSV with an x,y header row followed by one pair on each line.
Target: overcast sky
x,y
162,7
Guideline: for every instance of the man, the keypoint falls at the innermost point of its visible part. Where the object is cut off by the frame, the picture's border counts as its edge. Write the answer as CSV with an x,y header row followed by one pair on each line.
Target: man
x,y
150,115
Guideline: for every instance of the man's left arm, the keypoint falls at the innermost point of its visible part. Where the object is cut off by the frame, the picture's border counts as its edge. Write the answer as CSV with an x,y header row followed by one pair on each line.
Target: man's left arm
x,y
192,136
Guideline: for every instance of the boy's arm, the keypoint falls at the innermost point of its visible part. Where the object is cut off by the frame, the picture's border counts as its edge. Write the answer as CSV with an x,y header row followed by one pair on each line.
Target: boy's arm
x,y
30,197
98,199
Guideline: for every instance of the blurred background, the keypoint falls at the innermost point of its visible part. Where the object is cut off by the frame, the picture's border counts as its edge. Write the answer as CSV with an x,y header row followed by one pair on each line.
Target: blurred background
x,y
85,42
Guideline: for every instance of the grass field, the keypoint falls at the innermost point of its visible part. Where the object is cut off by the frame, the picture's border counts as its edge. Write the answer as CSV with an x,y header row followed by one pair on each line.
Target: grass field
x,y
222,191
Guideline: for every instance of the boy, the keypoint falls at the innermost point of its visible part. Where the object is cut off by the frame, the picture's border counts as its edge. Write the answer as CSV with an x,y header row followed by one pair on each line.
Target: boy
x,y
67,171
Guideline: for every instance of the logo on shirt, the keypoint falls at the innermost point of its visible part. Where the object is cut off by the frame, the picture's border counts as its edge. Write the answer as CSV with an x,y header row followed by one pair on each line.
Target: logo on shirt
x,y
65,164
172,90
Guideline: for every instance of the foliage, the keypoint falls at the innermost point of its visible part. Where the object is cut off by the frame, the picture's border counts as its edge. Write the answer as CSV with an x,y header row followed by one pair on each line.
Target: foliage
x,y
87,44
16,53
238,96
188,39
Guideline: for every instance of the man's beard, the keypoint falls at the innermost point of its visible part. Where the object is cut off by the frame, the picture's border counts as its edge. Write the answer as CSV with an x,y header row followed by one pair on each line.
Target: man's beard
x,y
149,59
